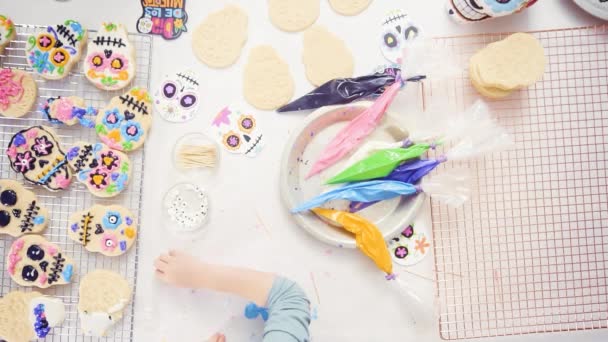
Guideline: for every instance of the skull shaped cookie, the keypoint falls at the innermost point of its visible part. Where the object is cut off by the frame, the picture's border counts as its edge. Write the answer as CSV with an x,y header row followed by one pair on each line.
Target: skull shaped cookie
x,y
69,111
123,124
53,52
177,98
26,316
109,230
103,296
17,92
238,132
35,153
104,171
34,261
110,60
397,30
20,211
7,31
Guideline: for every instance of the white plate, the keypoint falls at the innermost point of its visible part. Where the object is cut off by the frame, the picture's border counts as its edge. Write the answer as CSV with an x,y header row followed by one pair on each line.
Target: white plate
x,y
594,7
302,149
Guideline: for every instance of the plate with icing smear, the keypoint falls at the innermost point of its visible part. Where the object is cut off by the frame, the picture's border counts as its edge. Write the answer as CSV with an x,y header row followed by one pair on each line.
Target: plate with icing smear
x,y
303,148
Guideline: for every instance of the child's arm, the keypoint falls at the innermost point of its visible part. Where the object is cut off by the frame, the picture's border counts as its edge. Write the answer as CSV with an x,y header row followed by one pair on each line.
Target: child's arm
x,y
288,307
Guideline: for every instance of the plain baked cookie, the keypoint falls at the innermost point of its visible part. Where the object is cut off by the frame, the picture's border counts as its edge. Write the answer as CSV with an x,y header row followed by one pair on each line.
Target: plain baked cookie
x,y
267,81
7,32
349,7
219,39
109,230
20,211
124,123
110,61
103,297
28,316
55,50
325,56
17,92
293,15
34,261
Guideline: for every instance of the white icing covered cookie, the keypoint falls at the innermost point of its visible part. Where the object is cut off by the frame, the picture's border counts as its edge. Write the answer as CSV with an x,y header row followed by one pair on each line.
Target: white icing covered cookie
x,y
20,211
28,316
55,50
110,60
34,261
109,230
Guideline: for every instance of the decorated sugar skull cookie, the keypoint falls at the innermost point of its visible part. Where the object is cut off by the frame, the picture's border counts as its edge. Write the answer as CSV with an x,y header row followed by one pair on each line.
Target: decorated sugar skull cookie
x,y
109,230
36,154
26,316
53,52
410,247
476,10
124,123
104,171
238,132
397,30
110,60
177,97
69,111
7,32
20,211
34,261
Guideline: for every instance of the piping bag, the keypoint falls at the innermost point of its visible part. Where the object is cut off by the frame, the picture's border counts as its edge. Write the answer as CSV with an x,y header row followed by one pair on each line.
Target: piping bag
x,y
343,91
451,188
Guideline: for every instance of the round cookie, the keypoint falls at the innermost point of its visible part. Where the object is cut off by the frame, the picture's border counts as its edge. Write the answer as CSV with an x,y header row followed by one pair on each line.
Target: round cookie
x,y
7,32
34,261
109,230
325,56
219,39
26,316
349,7
110,61
36,153
20,211
267,81
104,171
489,92
103,296
293,15
177,97
17,92
124,123
53,52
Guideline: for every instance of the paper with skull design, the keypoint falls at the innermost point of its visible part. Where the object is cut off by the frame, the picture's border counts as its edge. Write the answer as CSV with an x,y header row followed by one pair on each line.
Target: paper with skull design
x,y
396,31
238,132
411,246
164,18
470,11
177,97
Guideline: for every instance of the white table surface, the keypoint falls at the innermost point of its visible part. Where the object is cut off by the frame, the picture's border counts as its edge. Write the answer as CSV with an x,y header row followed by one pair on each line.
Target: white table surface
x,y
248,225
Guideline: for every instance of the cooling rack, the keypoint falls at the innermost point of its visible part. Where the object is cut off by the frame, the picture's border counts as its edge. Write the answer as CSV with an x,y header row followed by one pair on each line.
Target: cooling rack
x,y
62,204
529,252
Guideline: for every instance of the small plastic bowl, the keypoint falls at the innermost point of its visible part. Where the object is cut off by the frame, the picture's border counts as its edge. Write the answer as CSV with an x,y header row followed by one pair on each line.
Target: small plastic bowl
x,y
197,139
185,208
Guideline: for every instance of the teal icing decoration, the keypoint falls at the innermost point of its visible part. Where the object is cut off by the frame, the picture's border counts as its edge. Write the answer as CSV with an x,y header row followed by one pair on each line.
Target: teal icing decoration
x,y
39,220
121,182
44,179
97,147
67,272
83,175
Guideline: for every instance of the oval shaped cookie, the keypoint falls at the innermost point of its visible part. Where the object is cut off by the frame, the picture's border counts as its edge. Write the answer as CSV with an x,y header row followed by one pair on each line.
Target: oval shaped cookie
x,y
110,60
104,171
69,111
34,261
20,211
53,52
124,123
293,15
7,32
267,81
103,296
109,230
325,56
26,316
219,39
17,92
349,7
36,153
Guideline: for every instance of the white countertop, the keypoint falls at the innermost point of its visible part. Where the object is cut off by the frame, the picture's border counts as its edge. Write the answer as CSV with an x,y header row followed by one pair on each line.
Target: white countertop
x,y
248,225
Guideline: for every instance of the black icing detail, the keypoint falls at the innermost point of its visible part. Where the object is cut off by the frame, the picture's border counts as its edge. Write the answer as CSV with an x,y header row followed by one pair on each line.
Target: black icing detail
x,y
8,198
109,41
94,163
28,220
131,102
44,265
99,229
85,234
29,273
17,213
129,115
107,53
83,156
35,253
67,34
5,218
187,78
42,162
56,268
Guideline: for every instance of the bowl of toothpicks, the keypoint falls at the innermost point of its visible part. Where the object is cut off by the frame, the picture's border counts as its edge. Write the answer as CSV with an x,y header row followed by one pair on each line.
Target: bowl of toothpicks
x,y
195,154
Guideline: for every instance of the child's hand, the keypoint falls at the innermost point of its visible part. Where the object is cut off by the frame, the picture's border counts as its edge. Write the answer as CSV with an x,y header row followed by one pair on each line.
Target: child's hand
x,y
217,338
179,269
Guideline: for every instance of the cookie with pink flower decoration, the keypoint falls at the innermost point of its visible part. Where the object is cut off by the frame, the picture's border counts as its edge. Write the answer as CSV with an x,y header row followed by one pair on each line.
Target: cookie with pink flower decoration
x,y
17,92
